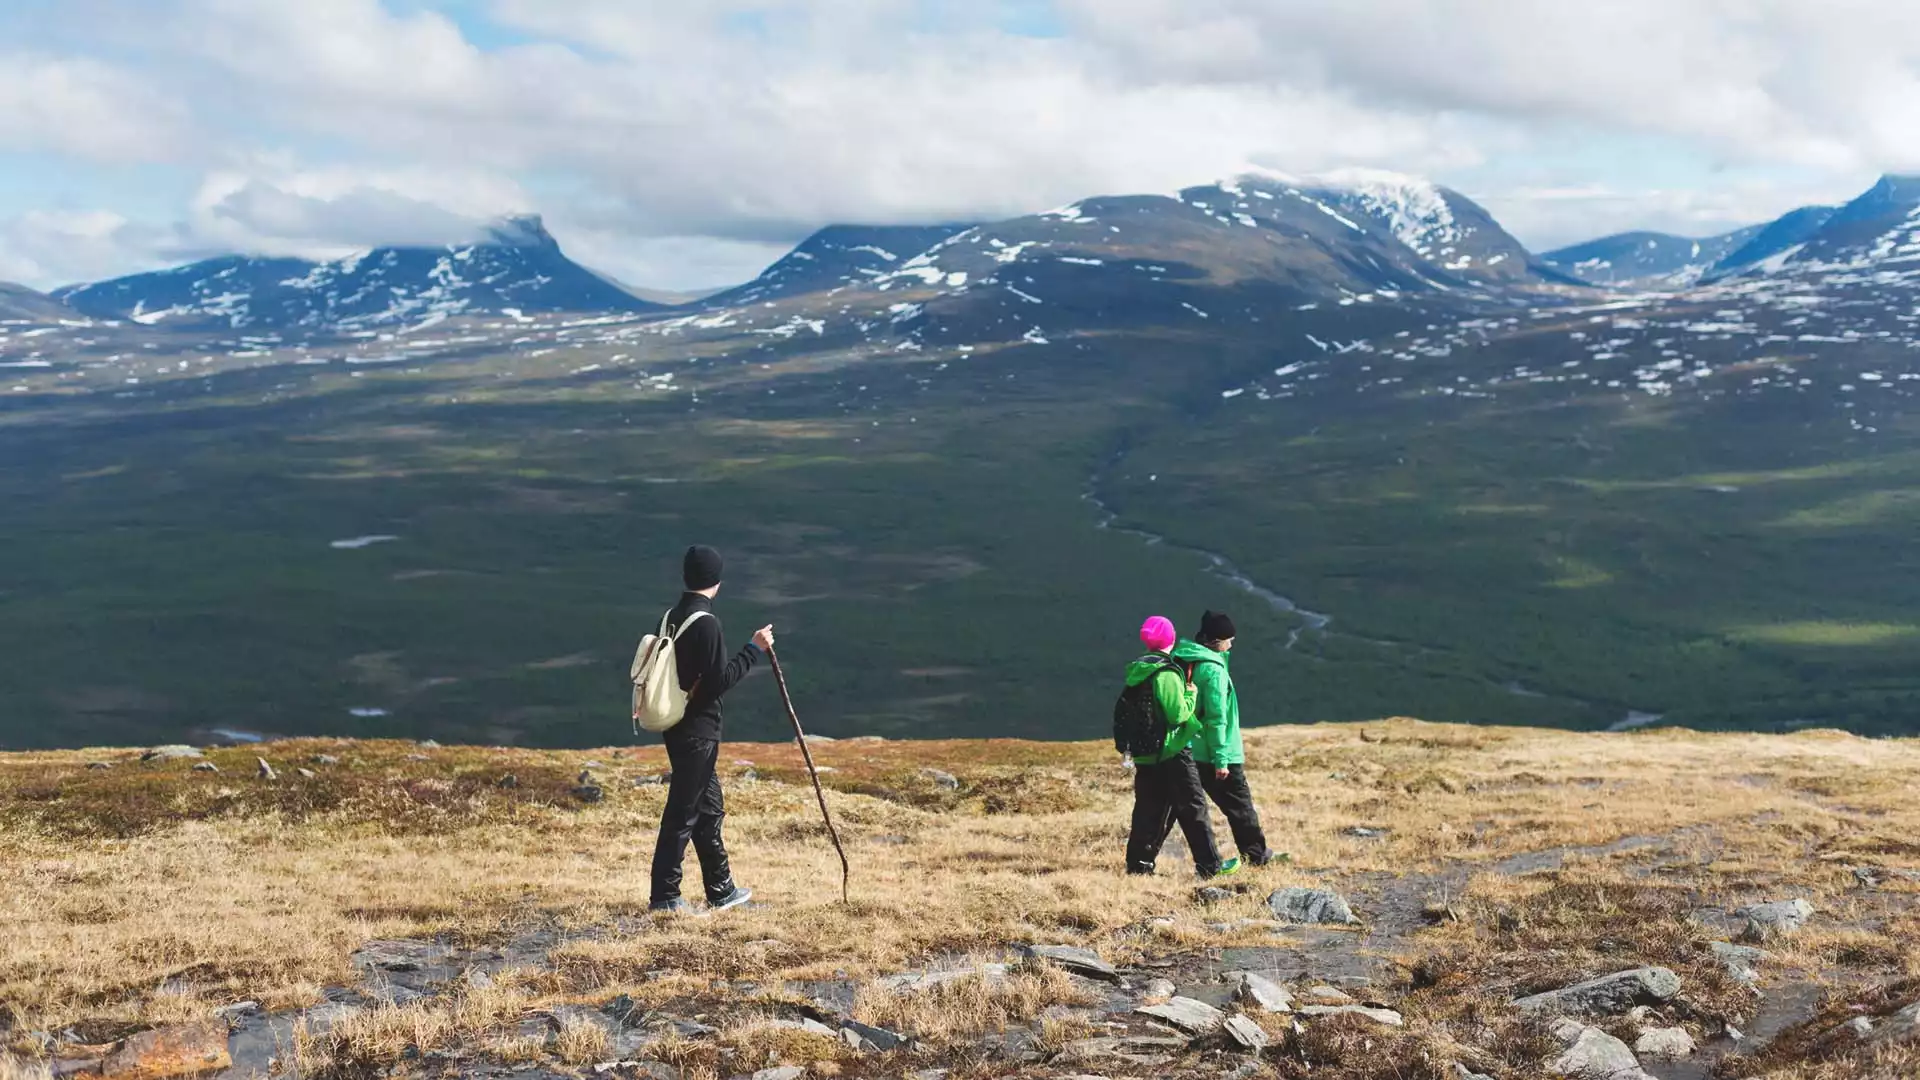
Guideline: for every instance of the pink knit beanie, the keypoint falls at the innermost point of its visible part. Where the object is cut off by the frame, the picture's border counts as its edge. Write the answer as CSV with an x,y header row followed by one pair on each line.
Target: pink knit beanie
x,y
1157,633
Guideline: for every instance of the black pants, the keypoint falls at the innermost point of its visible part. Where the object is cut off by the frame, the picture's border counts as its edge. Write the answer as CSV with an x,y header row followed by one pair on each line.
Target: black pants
x,y
694,811
1235,800
1170,791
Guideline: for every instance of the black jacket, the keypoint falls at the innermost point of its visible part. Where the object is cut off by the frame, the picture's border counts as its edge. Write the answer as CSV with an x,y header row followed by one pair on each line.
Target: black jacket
x,y
700,654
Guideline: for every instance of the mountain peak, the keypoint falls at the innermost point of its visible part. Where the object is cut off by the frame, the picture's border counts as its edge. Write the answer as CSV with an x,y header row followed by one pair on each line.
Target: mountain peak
x,y
520,230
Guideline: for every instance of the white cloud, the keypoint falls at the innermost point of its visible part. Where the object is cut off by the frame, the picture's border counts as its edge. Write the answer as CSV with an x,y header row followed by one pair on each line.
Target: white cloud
x,y
690,138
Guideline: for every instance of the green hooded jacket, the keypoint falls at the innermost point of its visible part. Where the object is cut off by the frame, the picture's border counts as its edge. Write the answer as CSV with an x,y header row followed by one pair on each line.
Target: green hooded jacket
x,y
1176,697
1218,709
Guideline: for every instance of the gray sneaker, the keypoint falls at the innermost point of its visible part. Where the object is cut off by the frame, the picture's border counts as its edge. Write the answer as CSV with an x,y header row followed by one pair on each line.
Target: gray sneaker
x,y
675,906
732,900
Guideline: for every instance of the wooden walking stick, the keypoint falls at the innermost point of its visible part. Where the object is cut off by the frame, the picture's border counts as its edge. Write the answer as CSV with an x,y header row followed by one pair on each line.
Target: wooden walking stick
x,y
800,737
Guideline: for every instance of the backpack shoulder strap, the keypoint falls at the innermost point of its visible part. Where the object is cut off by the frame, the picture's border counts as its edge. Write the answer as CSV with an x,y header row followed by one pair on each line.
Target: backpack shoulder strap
x,y
691,618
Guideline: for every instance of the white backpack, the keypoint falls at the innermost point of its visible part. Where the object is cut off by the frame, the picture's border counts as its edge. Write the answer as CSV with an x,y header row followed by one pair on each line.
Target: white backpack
x,y
658,701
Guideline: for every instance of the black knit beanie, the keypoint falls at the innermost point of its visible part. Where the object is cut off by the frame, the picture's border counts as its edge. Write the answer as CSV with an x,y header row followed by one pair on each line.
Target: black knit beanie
x,y
1214,626
701,569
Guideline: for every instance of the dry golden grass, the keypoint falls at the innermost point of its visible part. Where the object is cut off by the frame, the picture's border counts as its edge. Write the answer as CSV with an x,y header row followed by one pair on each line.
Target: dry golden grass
x,y
149,893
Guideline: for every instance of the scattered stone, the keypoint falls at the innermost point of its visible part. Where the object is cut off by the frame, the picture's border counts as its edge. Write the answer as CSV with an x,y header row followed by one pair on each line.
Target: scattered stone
x,y
1365,832
866,1036
429,744
1872,877
1858,1029
307,774
1665,1042
1078,961
173,752
652,781
1771,920
324,759
1739,961
418,757
589,793
396,954
238,1008
1259,992
1159,989
1377,1015
509,782
943,779
1593,1054
1608,994
1213,894
265,770
1298,905
1328,995
180,1050
1461,1072
99,764
782,1072
1245,1034
206,766
1196,1018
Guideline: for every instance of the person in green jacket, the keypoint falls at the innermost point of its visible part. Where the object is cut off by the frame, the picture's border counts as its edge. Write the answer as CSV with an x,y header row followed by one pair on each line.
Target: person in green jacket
x,y
1217,750
1166,785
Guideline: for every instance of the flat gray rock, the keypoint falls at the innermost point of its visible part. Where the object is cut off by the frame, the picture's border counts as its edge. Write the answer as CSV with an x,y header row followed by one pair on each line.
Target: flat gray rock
x,y
1378,1016
1607,995
874,1037
1246,1034
1196,1018
914,981
1742,962
173,752
1770,920
1256,991
1901,1027
1298,905
783,1072
1461,1072
1079,961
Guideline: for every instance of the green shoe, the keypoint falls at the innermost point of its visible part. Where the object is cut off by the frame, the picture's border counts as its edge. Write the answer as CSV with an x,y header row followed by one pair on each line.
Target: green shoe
x,y
1228,868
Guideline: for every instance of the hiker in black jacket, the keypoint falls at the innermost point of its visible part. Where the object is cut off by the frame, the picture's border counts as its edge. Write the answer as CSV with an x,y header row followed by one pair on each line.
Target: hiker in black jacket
x,y
695,806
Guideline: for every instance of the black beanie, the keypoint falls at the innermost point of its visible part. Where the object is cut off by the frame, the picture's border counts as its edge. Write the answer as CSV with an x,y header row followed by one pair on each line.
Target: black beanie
x,y
1214,626
701,569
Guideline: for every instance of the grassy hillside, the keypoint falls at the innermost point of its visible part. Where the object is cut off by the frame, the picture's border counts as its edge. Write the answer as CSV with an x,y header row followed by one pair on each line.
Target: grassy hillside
x,y
354,903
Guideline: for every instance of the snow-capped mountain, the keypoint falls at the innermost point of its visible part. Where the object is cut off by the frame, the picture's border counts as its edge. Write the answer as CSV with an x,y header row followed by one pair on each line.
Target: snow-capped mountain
x,y
1441,225
1648,259
19,303
1881,226
1782,235
836,256
516,266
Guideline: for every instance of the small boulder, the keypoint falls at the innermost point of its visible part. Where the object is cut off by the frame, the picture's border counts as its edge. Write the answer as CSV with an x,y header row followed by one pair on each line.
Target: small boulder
x,y
1461,1072
1742,962
1078,961
1298,905
206,766
1330,995
1158,989
942,779
1387,1017
429,744
99,764
868,1037
173,752
1592,1054
180,1050
589,793
1212,894
306,774
1245,1034
1258,992
1608,995
1665,1042
1771,920
781,1072
1196,1018
324,759
507,782
264,770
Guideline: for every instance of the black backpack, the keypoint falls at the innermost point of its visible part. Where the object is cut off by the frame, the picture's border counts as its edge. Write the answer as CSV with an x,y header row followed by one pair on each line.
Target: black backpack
x,y
1139,724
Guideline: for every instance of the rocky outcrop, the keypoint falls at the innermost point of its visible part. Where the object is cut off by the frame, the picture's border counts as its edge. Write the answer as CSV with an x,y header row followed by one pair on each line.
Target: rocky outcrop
x,y
1608,995
1298,905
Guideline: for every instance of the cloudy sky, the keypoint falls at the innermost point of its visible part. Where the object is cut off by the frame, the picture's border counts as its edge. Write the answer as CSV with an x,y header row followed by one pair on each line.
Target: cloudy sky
x,y
682,143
